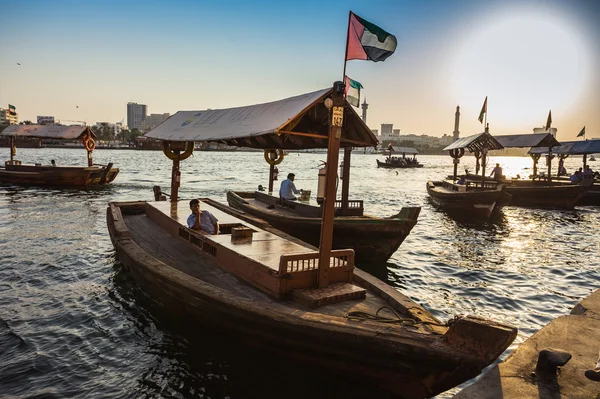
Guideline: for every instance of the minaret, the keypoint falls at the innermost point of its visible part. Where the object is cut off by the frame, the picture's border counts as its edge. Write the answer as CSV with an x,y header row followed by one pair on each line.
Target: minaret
x,y
456,133
364,107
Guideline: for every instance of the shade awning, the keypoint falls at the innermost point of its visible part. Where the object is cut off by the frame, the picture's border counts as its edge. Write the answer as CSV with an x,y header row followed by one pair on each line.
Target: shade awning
x,y
546,140
47,131
572,148
476,142
299,122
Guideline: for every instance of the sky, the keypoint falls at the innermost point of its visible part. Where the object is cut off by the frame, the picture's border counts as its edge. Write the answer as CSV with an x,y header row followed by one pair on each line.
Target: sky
x,y
85,60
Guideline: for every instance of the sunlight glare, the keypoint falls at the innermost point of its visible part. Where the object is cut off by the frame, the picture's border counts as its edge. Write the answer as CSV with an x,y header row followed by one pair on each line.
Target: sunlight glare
x,y
526,63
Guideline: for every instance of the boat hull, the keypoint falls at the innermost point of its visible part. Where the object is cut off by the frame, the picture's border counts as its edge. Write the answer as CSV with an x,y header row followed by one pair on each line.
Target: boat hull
x,y
374,240
396,166
403,360
477,204
57,176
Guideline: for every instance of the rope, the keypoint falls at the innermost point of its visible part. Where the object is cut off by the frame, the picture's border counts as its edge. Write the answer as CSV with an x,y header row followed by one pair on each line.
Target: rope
x,y
406,321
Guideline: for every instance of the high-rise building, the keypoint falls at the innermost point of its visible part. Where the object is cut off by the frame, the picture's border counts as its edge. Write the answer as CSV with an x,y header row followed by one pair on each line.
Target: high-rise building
x,y
456,132
8,118
152,121
136,113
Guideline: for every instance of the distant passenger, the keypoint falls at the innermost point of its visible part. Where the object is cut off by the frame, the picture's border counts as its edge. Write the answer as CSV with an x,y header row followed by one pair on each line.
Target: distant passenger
x,y
577,176
53,162
202,220
588,173
288,189
562,171
462,180
497,172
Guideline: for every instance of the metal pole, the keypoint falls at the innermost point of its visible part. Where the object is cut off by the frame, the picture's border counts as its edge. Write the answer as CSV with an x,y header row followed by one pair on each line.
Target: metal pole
x,y
335,133
175,176
346,180
549,164
12,149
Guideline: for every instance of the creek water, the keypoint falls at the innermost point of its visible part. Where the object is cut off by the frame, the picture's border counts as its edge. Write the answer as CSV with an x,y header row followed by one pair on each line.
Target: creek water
x,y
74,324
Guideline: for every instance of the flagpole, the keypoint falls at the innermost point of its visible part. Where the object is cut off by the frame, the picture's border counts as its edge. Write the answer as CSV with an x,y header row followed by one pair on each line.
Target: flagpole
x,y
346,53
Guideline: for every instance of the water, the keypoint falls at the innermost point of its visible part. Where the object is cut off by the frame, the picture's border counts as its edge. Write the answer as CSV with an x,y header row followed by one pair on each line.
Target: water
x,y
74,324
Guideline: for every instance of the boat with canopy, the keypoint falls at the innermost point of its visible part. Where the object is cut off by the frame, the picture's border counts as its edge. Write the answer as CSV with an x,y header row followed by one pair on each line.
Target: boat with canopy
x,y
393,162
475,196
298,123
540,190
52,175
586,148
255,282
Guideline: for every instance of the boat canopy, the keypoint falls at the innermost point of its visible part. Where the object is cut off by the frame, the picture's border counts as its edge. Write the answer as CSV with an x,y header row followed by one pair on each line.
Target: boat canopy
x,y
572,148
47,131
405,150
476,142
299,122
546,140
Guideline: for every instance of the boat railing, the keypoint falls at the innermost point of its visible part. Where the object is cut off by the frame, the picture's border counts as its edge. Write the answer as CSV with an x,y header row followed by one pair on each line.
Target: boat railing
x,y
310,261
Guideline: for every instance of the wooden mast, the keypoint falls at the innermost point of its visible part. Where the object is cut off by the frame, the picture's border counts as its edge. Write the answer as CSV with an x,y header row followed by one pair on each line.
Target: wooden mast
x,y
333,149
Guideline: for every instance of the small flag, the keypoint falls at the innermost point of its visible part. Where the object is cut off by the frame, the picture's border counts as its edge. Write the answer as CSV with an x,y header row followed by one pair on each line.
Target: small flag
x,y
582,133
12,110
367,41
549,121
483,110
353,92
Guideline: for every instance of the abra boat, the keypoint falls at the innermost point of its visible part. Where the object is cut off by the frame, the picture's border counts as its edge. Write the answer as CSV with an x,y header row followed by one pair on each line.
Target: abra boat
x,y
474,197
400,162
15,172
294,124
585,148
278,292
373,239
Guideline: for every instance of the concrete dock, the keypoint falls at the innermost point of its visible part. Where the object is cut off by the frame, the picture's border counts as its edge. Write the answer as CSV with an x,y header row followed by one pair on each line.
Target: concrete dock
x,y
517,377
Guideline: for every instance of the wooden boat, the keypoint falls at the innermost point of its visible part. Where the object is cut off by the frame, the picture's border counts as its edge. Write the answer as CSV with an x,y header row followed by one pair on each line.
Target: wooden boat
x,y
373,239
255,282
400,162
52,175
262,288
470,199
572,148
475,197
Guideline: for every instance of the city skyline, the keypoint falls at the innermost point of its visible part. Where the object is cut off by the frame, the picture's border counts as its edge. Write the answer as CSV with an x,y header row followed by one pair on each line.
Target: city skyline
x,y
87,61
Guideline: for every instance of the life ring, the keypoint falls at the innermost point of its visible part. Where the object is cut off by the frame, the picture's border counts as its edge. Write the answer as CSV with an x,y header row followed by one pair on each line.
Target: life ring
x,y
89,144
189,149
274,157
457,153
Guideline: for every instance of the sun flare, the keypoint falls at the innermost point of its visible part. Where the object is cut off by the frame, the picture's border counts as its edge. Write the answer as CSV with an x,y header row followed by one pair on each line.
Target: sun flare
x,y
526,63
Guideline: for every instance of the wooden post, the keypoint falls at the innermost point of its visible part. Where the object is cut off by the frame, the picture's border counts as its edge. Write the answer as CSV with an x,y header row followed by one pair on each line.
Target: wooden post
x,y
271,169
12,149
483,164
89,157
333,149
584,160
175,179
455,162
549,165
346,180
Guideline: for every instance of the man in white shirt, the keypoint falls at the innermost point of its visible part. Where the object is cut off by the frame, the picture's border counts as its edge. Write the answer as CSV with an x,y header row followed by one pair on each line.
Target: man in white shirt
x,y
288,189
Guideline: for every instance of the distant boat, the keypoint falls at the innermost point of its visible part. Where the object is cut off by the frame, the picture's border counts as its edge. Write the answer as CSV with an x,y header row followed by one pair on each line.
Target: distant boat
x,y
52,175
400,162
592,158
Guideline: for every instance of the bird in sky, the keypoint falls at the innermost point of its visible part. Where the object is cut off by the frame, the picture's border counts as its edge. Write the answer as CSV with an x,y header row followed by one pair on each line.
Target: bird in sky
x,y
18,63
77,106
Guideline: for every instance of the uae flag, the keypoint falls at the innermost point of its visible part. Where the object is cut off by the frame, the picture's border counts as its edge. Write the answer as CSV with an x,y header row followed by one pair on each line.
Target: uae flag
x,y
353,92
483,110
367,41
582,133
12,110
549,121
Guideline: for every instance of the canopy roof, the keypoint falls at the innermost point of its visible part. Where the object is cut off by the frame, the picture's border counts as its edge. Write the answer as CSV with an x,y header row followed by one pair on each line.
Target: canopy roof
x,y
476,142
404,150
298,122
572,148
47,131
546,140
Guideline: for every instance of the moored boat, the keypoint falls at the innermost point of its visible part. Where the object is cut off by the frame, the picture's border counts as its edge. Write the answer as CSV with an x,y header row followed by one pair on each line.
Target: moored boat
x,y
475,197
52,175
373,239
262,287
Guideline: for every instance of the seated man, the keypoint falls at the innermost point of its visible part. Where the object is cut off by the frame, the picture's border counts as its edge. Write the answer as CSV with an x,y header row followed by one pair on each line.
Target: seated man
x,y
202,220
288,189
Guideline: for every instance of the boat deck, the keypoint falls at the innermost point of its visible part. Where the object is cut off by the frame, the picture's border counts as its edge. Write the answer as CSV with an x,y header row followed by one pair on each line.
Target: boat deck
x,y
189,259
